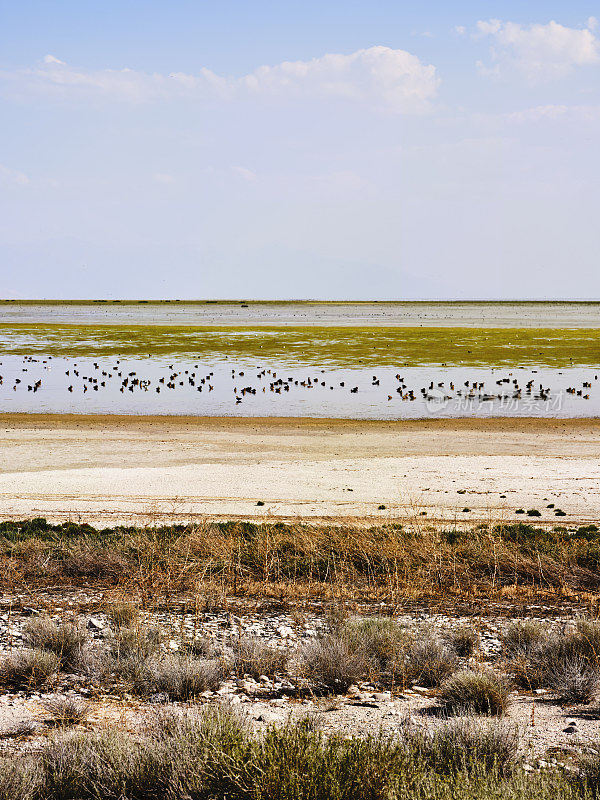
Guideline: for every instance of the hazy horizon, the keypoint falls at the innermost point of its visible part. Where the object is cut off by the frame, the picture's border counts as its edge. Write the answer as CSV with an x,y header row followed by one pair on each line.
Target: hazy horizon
x,y
298,300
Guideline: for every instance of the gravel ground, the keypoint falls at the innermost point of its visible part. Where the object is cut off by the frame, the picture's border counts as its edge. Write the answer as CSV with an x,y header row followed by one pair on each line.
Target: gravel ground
x,y
547,730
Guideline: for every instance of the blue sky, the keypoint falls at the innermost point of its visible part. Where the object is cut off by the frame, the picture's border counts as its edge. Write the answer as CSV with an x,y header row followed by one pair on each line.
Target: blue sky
x,y
281,149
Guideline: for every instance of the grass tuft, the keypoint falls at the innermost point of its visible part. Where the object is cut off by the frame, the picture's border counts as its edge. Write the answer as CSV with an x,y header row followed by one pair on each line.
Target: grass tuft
x,y
66,711
28,668
122,614
65,639
252,656
178,677
475,691
330,664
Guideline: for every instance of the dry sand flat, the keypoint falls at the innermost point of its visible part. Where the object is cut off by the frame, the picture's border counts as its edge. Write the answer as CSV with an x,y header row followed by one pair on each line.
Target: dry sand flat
x,y
125,469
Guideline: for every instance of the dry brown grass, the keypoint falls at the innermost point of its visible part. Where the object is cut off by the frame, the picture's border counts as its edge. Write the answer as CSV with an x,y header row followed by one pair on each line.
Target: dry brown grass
x,y
287,561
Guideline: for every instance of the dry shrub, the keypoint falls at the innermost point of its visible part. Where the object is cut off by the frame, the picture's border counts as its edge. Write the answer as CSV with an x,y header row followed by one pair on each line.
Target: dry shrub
x,y
574,680
523,638
17,729
252,656
331,665
65,639
140,643
122,614
20,779
66,711
401,655
336,615
202,647
379,638
475,691
94,561
271,558
179,677
465,743
463,640
28,668
565,660
423,658
587,638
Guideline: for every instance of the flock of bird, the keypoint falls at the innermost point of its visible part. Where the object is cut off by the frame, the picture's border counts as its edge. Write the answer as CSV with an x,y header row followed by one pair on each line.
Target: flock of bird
x,y
95,377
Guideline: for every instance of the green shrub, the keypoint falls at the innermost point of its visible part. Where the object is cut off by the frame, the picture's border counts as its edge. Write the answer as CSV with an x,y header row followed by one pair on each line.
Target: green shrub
x,y
211,756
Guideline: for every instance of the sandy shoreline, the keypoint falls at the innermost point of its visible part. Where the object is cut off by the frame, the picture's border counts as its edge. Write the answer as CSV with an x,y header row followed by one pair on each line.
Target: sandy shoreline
x,y
524,424
122,469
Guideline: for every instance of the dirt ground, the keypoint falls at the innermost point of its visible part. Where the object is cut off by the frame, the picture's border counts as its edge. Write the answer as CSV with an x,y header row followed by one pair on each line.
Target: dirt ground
x,y
110,469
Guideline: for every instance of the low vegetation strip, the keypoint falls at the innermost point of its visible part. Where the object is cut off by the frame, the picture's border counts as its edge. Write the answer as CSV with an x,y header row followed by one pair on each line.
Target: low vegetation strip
x,y
212,755
389,562
319,346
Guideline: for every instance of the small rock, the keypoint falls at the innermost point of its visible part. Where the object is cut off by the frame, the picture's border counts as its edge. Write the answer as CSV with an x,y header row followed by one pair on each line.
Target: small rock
x,y
95,624
286,632
159,698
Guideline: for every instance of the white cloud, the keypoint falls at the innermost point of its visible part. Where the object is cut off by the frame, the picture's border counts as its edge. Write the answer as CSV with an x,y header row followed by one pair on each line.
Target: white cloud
x,y
377,76
554,112
163,177
50,59
460,29
540,52
13,176
245,173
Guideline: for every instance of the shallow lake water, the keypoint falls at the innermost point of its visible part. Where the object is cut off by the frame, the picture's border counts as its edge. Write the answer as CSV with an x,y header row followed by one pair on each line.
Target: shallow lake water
x,y
129,386
344,360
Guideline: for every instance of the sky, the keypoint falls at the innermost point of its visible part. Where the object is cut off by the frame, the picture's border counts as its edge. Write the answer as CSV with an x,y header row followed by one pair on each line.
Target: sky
x,y
340,149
